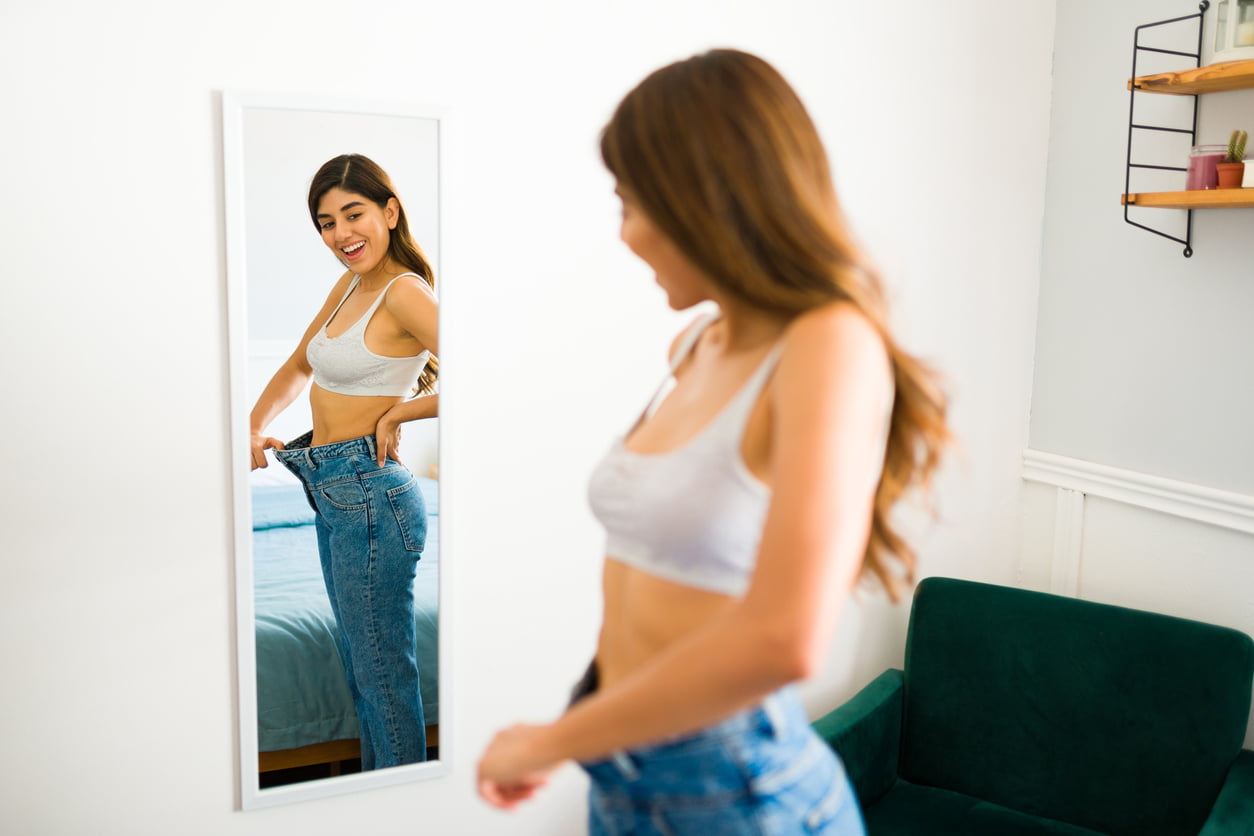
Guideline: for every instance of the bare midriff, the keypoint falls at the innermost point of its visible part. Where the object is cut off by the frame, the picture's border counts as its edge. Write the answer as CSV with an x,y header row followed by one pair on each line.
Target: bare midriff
x,y
644,614
339,417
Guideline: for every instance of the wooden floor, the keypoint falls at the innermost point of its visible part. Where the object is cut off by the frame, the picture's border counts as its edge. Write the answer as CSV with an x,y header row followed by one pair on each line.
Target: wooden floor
x,y
324,760
326,753
313,772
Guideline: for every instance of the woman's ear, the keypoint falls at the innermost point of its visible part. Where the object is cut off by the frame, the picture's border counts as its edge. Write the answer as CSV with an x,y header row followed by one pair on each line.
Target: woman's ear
x,y
392,212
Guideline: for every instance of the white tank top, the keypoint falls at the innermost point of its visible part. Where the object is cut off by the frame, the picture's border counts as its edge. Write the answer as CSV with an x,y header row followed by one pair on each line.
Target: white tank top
x,y
692,515
344,365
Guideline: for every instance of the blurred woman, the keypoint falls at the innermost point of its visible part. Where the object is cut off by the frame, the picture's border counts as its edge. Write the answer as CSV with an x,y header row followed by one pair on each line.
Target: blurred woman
x,y
742,509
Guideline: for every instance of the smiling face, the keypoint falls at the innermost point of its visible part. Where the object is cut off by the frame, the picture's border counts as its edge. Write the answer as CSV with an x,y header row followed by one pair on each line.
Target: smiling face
x,y
356,228
684,284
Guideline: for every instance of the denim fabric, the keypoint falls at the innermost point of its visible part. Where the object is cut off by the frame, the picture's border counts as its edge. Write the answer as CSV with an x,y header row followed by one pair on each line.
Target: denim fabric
x,y
371,525
763,772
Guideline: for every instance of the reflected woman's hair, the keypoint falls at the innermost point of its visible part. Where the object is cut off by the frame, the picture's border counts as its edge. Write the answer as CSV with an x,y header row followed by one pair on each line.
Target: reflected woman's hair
x,y
361,175
722,156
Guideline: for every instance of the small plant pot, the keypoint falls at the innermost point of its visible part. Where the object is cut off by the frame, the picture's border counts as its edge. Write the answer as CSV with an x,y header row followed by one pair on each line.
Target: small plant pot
x,y
1230,175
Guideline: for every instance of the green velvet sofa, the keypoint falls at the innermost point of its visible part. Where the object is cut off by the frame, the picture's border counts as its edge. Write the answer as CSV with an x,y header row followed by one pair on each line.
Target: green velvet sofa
x,y
1021,713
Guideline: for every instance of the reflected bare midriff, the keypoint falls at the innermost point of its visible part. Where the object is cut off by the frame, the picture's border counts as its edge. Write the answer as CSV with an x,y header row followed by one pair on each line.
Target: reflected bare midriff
x,y
339,417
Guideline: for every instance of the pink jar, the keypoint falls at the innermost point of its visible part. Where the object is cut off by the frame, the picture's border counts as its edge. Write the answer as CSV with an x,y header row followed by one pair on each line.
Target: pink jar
x,y
1202,160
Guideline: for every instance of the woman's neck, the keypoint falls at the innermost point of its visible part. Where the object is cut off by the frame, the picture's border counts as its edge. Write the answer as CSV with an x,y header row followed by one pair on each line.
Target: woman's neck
x,y
742,327
382,273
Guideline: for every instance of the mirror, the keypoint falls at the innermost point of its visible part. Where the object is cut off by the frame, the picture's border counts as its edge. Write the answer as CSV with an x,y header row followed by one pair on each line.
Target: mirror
x,y
298,730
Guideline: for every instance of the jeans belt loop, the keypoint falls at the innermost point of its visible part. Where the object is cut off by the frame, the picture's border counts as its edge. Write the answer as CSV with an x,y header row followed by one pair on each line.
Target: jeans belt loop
x,y
625,765
370,445
775,716
309,460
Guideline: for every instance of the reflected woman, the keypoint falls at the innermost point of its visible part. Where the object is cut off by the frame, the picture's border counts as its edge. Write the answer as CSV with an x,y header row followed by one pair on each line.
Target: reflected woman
x,y
742,510
371,347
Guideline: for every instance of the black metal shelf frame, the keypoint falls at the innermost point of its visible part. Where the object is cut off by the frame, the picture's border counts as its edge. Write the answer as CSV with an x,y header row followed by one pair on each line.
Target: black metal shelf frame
x,y
1137,49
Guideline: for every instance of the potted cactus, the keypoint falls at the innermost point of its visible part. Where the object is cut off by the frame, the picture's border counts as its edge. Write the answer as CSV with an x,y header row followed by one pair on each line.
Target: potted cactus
x,y
1232,169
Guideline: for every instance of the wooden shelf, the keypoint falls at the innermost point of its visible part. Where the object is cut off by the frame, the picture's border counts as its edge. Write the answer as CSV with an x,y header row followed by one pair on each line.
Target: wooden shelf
x,y
1217,78
1206,199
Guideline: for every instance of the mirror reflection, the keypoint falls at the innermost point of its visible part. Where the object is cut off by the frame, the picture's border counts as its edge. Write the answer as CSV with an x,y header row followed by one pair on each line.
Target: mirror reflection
x,y
338,212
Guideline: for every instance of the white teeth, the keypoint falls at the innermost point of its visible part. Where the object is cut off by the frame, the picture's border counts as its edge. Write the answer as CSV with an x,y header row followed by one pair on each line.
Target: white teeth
x,y
354,248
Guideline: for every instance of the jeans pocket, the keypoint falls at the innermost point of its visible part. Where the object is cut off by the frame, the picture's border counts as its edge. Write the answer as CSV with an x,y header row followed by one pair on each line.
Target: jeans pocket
x,y
411,514
346,496
808,788
835,813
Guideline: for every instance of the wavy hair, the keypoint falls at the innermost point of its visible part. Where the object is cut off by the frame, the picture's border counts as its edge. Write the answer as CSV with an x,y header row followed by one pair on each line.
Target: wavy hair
x,y
363,176
719,152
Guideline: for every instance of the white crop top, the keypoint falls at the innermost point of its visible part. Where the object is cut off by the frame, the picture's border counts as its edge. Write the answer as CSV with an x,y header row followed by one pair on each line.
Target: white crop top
x,y
692,515
344,365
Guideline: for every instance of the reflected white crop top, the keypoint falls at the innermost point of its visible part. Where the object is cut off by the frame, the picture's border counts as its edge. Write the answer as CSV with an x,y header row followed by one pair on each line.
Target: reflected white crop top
x,y
692,515
344,365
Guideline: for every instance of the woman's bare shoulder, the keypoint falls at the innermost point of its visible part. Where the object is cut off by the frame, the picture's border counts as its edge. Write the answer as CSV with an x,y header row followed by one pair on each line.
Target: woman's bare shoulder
x,y
832,347
838,327
843,318
412,302
413,283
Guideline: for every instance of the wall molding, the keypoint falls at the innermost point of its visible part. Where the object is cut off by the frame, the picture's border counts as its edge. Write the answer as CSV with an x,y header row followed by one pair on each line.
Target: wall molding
x,y
1064,570
1226,509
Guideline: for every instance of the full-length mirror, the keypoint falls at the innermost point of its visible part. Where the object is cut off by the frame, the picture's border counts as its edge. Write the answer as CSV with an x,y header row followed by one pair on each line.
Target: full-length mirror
x,y
333,262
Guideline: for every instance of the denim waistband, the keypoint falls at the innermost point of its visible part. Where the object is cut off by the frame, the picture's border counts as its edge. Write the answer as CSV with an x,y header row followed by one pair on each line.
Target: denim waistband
x,y
299,449
773,715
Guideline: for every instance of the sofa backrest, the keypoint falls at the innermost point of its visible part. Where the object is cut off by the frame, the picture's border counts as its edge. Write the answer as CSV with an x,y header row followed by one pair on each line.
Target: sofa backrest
x,y
1115,719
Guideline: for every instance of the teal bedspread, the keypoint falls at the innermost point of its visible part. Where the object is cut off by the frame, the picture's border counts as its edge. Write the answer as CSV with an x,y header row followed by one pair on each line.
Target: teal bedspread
x,y
302,697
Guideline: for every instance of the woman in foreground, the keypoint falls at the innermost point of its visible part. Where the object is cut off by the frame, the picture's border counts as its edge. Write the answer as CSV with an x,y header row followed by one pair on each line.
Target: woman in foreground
x,y
742,509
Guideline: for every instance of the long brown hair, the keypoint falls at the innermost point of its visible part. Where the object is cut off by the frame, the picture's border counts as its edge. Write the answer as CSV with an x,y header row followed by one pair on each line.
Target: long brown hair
x,y
361,175
721,155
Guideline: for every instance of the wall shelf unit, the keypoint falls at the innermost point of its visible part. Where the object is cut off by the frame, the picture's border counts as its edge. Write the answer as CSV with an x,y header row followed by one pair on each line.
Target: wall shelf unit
x,y
1195,81
1217,78
1208,199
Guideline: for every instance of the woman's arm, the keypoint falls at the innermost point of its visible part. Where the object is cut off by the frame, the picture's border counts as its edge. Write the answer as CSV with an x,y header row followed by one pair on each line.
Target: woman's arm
x,y
286,385
412,302
288,382
830,399
387,431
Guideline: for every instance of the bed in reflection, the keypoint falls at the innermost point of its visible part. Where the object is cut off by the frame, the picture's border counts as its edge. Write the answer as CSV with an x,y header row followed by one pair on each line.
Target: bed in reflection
x,y
304,712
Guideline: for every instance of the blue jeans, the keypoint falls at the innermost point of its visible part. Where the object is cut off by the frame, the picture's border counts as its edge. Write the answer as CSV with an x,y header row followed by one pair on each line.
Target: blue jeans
x,y
763,772
371,525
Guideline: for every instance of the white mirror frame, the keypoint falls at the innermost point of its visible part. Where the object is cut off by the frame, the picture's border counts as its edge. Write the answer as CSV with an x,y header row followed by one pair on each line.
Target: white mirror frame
x,y
235,105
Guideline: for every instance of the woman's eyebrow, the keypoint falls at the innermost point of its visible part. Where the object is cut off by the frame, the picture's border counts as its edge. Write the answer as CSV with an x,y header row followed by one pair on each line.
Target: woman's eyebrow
x,y
343,208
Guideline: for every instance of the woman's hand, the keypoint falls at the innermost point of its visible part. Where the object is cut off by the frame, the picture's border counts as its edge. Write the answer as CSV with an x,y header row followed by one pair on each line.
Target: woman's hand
x,y
387,439
260,444
512,768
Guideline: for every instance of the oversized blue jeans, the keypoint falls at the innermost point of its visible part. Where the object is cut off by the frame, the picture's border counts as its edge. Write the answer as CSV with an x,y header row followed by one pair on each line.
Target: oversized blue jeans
x,y
762,772
371,525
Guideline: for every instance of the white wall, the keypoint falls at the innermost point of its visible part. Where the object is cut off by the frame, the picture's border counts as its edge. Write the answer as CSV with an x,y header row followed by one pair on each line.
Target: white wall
x,y
117,598
1142,355
1141,352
